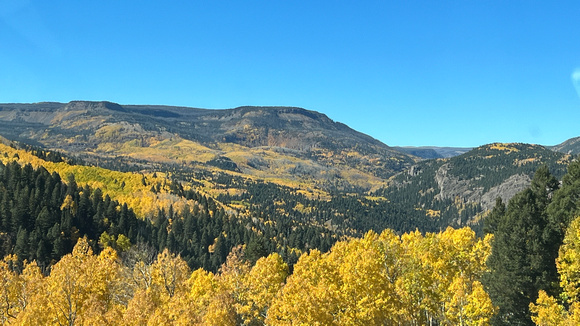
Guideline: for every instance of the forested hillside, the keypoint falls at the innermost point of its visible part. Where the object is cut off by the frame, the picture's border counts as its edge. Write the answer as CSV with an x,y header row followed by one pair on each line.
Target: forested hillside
x,y
460,190
42,214
281,166
570,146
523,272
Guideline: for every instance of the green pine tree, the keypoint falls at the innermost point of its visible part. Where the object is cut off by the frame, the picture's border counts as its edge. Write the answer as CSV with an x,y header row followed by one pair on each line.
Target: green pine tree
x,y
522,261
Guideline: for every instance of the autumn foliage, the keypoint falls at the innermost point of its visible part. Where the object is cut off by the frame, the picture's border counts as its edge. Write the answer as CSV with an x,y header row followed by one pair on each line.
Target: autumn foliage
x,y
379,279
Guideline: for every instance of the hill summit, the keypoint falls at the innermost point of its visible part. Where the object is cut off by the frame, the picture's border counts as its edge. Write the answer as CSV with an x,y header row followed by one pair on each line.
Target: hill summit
x,y
272,143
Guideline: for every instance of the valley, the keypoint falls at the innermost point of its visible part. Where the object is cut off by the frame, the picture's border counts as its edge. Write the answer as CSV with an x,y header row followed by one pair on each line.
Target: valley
x,y
232,191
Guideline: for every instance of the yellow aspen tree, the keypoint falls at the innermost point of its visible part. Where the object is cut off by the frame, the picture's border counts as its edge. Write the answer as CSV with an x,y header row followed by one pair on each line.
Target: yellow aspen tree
x,y
109,292
9,290
311,294
415,287
139,309
169,274
458,266
394,266
69,284
207,301
158,283
84,289
469,304
31,284
368,297
192,306
203,288
547,310
479,308
220,311
568,262
32,297
233,272
263,282
354,284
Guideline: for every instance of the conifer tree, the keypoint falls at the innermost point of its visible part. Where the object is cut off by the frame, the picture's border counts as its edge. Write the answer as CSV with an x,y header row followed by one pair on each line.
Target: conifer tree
x,y
493,219
522,261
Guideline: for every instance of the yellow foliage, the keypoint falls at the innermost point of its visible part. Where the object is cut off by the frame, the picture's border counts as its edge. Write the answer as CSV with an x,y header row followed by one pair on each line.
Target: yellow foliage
x,y
82,289
526,161
375,280
506,147
547,310
124,187
432,213
389,279
568,262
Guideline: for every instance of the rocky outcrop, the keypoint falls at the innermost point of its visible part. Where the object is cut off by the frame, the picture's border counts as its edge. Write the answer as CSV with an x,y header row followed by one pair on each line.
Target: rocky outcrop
x,y
505,191
450,187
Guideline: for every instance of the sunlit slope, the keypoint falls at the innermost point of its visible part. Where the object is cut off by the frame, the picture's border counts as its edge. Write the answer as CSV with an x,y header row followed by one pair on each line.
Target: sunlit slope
x,y
279,144
144,193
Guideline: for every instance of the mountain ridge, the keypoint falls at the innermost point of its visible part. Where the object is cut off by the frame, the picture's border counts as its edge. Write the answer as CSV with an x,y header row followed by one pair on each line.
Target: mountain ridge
x,y
429,152
268,142
569,146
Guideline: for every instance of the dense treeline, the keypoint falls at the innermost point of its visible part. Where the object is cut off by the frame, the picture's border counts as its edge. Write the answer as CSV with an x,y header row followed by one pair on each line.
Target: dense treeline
x,y
380,279
41,218
42,215
272,210
417,193
489,165
350,214
528,259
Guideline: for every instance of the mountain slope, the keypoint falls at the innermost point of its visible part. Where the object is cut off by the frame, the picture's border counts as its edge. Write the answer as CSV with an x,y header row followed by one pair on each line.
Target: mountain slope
x,y
455,190
284,167
281,144
570,146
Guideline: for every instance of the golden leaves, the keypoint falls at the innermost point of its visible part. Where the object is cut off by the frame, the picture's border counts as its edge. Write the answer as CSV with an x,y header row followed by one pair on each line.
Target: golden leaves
x,y
389,279
547,310
377,279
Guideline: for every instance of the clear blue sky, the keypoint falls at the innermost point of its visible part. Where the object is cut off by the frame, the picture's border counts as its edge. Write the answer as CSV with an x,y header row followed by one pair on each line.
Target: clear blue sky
x,y
445,73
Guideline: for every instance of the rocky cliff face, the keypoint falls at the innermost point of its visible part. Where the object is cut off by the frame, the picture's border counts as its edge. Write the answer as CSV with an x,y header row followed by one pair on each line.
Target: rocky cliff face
x,y
506,190
451,186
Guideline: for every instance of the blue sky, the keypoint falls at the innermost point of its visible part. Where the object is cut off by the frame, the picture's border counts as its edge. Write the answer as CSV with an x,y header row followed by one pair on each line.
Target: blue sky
x,y
444,73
